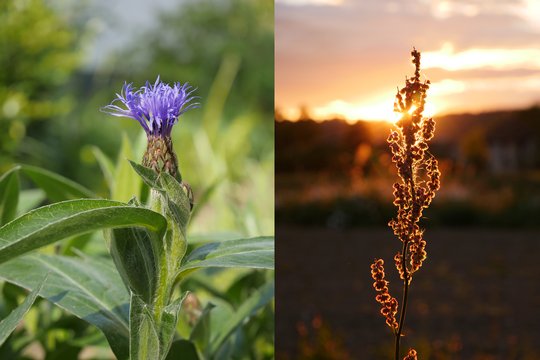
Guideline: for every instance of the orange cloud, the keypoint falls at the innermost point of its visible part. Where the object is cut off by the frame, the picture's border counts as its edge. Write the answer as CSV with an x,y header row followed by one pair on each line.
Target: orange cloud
x,y
475,58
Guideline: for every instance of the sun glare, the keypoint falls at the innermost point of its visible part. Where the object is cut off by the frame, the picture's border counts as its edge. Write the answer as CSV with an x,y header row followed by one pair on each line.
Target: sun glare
x,y
429,110
339,109
375,111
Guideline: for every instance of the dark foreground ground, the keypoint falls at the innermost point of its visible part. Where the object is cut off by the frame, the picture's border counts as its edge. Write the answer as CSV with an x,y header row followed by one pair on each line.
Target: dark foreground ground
x,y
476,297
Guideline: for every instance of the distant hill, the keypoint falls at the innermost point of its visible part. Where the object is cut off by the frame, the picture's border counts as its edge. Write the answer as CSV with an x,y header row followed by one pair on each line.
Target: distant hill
x,y
497,140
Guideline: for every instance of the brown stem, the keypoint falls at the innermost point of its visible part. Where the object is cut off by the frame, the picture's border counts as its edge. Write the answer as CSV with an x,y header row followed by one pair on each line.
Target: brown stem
x,y
405,273
403,301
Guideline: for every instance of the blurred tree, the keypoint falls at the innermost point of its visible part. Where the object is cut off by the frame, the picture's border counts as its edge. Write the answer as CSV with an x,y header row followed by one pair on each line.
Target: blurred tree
x,y
305,113
191,43
329,146
38,53
475,150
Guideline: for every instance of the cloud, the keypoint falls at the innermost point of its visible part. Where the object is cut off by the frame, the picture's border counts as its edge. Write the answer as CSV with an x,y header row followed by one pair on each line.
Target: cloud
x,y
447,86
358,52
495,58
446,9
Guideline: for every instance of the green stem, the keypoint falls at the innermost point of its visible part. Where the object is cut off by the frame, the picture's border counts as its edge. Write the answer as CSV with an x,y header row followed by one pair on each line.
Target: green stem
x,y
162,289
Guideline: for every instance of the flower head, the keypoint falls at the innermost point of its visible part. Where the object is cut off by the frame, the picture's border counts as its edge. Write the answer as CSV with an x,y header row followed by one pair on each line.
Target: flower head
x,y
156,107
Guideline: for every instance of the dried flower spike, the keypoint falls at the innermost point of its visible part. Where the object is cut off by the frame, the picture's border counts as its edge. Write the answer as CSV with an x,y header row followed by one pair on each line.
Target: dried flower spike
x,y
389,305
419,179
417,169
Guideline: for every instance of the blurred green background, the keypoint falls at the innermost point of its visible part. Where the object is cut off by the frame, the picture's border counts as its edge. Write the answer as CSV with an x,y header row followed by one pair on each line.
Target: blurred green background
x,y
62,60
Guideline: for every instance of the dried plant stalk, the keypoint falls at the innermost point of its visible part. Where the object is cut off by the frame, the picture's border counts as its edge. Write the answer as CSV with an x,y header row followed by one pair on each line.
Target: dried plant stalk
x,y
419,179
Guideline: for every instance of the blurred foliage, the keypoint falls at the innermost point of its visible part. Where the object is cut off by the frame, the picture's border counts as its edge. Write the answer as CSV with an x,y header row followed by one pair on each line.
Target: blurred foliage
x,y
224,48
226,148
38,55
193,42
318,341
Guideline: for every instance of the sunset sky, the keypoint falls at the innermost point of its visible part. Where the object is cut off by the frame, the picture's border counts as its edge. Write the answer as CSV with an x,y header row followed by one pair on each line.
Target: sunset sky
x,y
346,57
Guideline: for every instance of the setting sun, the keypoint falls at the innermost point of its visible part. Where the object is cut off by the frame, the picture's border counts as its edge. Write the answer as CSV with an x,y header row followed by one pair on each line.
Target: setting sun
x,y
377,110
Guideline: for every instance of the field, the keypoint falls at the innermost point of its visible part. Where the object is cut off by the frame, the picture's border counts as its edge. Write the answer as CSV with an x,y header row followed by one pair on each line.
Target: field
x,y
477,296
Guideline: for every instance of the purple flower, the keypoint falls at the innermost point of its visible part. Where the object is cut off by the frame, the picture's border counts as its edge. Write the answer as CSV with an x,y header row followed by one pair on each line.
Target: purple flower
x,y
156,107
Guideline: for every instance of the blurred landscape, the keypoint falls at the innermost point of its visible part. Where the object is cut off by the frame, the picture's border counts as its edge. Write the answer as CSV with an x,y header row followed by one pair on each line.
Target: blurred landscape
x,y
333,201
338,63
341,173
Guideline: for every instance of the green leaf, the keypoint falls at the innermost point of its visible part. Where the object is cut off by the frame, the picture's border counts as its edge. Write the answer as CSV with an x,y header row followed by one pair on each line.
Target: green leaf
x,y
9,195
58,221
126,184
88,287
179,206
149,176
170,199
106,166
200,335
144,340
57,187
170,187
248,253
182,349
12,320
259,299
169,320
136,253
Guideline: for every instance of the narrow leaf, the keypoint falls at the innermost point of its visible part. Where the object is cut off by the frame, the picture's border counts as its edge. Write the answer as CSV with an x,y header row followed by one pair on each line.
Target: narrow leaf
x,y
126,184
87,287
169,320
200,335
106,166
247,253
255,302
57,187
58,221
179,202
149,176
12,320
144,340
169,186
136,253
9,195
182,349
